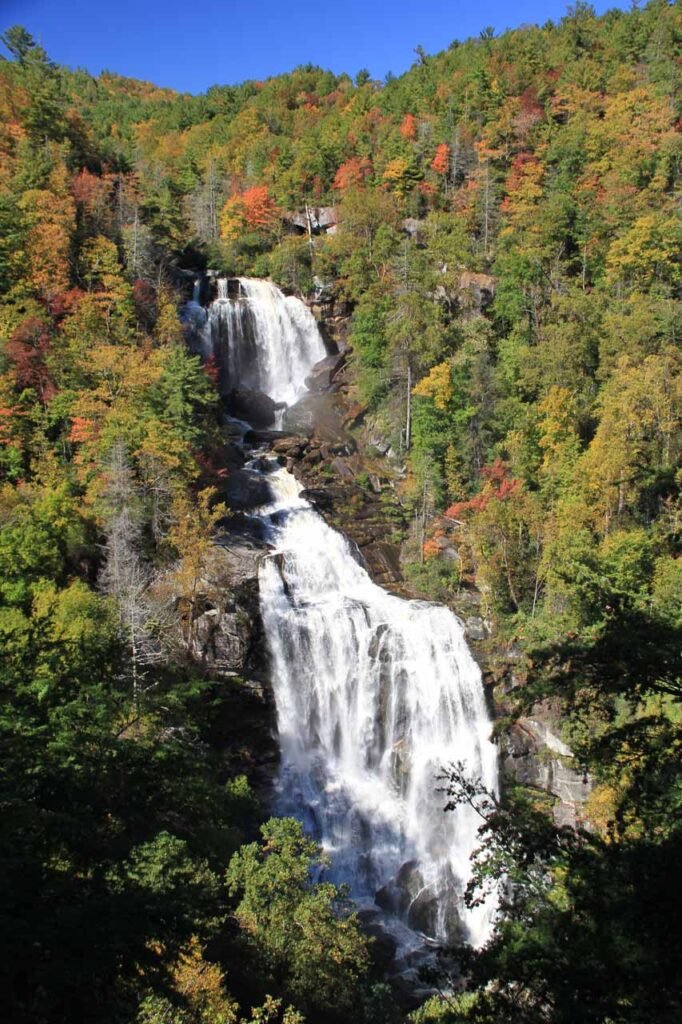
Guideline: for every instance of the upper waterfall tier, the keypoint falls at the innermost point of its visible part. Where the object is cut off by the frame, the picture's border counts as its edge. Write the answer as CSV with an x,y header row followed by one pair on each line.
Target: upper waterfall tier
x,y
262,340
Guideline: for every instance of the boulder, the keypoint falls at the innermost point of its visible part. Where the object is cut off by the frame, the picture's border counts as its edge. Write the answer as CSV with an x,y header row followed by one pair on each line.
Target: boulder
x,y
255,407
316,414
322,374
384,946
423,912
398,894
246,489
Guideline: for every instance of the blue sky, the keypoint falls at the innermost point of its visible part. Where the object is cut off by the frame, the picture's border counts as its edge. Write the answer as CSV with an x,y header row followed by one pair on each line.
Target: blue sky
x,y
190,46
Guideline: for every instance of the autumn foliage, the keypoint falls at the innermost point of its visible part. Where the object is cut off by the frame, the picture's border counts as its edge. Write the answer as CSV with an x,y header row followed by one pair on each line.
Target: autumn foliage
x,y
441,160
28,350
498,486
352,173
251,210
408,127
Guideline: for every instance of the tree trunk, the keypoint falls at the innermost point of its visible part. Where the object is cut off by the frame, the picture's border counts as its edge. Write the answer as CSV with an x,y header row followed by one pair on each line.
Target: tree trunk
x,y
408,419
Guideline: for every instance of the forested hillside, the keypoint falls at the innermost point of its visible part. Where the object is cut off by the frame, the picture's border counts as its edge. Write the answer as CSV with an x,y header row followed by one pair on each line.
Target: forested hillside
x,y
503,225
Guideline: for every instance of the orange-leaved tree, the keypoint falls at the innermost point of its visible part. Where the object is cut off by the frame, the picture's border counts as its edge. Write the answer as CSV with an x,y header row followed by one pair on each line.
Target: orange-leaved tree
x,y
352,173
252,210
408,127
441,159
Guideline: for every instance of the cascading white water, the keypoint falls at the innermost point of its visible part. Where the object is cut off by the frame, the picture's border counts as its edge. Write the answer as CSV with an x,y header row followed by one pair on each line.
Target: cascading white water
x,y
374,694
262,340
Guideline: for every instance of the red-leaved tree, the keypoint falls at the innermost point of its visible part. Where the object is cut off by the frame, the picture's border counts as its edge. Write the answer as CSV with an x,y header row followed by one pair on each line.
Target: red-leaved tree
x,y
27,351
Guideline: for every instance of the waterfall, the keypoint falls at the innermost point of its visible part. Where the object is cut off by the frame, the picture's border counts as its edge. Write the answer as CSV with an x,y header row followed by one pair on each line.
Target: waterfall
x,y
374,694
261,339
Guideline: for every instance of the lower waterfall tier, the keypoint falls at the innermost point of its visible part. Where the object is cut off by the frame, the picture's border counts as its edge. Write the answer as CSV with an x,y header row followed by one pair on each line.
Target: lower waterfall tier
x,y
374,696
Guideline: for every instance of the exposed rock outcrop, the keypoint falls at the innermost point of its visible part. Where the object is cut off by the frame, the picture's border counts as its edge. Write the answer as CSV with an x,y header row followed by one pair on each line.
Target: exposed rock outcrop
x,y
534,756
229,639
317,415
313,219
333,318
228,643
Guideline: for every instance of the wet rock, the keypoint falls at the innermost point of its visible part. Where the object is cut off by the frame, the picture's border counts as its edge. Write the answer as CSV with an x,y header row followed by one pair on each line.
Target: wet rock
x,y
384,946
322,374
408,989
397,896
422,914
391,899
245,489
322,499
375,642
259,437
232,428
255,407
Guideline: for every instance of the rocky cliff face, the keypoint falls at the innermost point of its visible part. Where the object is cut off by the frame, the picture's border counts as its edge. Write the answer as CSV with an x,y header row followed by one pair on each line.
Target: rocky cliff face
x,y
532,751
535,757
228,631
229,646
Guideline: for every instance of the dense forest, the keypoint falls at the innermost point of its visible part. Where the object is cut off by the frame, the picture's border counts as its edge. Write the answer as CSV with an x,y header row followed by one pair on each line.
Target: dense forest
x,y
506,233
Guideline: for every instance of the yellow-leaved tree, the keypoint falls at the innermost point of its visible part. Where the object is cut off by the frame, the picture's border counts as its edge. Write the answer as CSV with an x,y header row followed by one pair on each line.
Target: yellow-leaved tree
x,y
191,584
